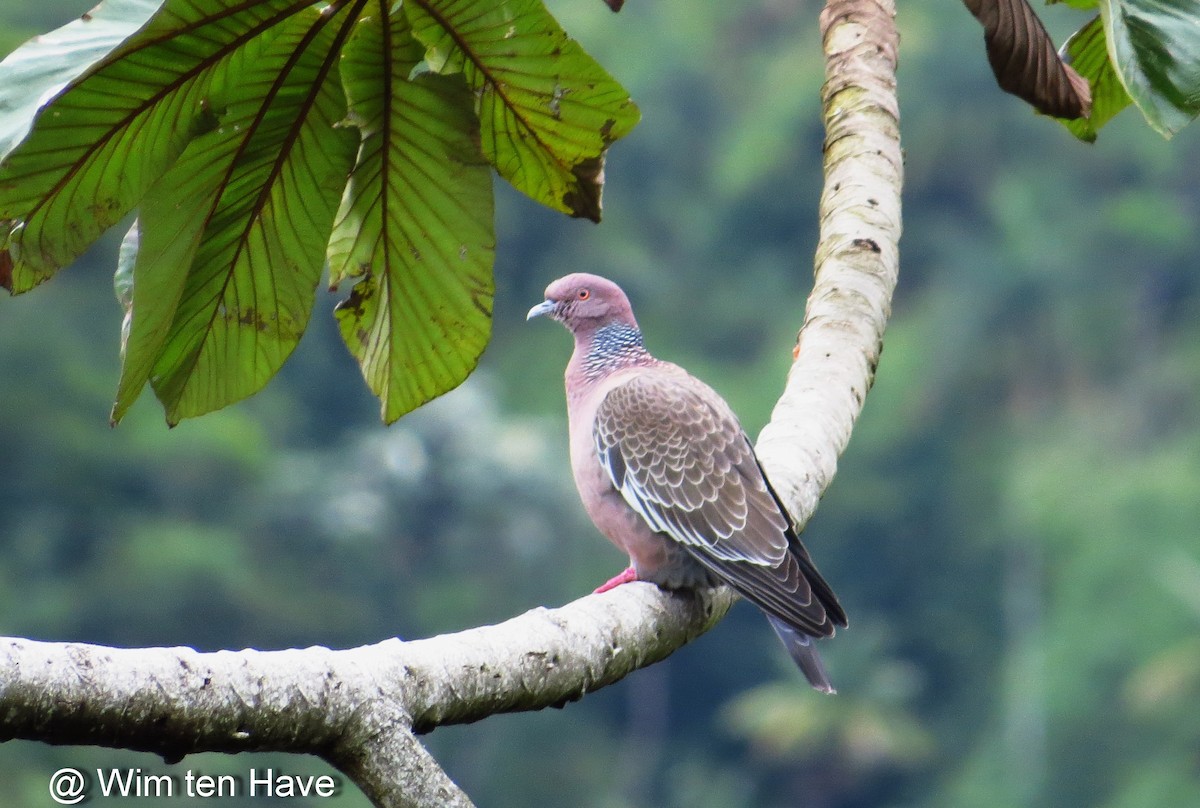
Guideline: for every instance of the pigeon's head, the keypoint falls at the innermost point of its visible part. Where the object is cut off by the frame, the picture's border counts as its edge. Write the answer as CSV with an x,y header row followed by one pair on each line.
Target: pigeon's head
x,y
584,303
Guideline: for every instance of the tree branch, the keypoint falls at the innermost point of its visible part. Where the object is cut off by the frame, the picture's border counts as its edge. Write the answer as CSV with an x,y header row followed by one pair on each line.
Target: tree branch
x,y
361,709
857,260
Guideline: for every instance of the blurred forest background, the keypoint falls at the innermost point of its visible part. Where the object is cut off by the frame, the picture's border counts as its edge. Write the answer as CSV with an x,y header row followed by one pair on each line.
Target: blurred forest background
x,y
1013,530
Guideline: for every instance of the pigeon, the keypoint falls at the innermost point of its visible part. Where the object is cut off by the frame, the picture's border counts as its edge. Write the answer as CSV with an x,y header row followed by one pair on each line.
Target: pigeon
x,y
668,475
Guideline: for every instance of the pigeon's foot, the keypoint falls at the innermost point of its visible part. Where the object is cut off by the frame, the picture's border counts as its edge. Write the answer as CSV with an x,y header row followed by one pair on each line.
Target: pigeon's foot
x,y
625,577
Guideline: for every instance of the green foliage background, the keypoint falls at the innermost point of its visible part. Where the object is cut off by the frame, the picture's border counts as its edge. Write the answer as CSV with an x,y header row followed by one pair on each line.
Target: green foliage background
x,y
1013,529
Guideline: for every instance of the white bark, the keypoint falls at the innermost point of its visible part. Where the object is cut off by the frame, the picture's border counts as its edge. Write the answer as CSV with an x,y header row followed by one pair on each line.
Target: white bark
x,y
857,261
362,708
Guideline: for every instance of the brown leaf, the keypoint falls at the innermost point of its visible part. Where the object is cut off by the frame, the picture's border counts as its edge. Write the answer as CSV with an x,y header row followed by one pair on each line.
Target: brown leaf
x,y
1025,61
615,5
6,270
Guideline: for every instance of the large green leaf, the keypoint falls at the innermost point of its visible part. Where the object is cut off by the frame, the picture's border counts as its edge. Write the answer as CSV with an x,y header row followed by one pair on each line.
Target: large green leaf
x,y
97,147
547,110
152,272
415,222
40,68
253,202
153,265
227,124
1155,46
1087,52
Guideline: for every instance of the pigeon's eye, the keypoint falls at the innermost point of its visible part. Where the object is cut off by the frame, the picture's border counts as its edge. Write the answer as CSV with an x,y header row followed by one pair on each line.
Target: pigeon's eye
x,y
584,294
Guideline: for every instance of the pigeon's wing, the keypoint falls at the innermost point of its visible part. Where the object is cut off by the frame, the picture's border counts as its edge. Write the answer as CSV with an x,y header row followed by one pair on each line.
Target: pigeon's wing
x,y
679,457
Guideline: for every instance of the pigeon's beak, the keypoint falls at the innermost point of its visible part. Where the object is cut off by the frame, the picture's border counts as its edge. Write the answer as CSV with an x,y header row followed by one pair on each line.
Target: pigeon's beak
x,y
545,307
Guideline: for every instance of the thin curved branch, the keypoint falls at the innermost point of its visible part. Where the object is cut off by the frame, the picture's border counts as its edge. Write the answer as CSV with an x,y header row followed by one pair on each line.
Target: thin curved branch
x,y
562,654
857,260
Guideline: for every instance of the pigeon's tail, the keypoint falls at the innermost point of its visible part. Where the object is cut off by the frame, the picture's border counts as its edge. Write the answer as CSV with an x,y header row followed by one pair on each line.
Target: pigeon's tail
x,y
804,653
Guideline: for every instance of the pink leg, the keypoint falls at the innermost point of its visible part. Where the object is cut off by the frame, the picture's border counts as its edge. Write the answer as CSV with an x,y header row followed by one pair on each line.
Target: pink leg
x,y
612,583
